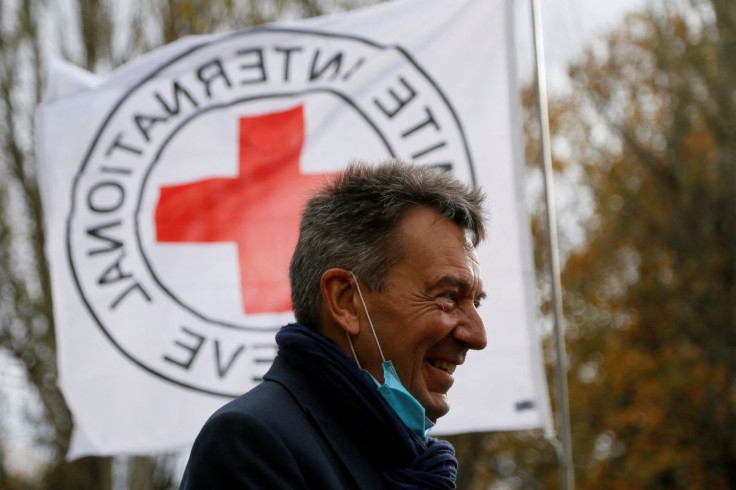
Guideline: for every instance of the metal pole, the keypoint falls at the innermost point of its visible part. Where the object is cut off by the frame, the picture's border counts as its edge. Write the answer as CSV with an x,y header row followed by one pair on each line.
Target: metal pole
x,y
564,453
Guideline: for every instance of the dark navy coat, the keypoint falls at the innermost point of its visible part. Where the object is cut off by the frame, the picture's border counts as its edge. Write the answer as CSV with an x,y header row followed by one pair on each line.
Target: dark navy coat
x,y
279,435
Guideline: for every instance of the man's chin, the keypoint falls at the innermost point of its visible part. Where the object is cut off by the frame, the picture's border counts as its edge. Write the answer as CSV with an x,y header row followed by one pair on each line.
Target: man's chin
x,y
438,408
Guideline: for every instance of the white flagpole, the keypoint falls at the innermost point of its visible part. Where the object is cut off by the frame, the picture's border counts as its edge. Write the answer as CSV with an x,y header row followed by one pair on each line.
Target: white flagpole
x,y
564,452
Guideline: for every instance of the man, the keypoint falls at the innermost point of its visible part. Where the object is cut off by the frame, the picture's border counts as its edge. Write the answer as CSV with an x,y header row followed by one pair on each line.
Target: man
x,y
385,288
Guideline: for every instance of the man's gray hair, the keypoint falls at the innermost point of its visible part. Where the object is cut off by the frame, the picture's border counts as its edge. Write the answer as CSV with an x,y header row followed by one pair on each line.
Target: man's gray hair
x,y
351,224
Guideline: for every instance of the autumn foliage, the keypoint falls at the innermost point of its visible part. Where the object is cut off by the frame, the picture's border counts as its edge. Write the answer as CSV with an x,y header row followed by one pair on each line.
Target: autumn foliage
x,y
652,291
647,137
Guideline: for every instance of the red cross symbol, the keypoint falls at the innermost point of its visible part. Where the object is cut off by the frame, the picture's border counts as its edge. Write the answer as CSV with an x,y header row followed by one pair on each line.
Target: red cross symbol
x,y
259,210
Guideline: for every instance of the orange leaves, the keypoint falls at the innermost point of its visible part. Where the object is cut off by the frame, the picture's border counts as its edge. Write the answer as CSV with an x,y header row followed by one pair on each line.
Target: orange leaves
x,y
658,380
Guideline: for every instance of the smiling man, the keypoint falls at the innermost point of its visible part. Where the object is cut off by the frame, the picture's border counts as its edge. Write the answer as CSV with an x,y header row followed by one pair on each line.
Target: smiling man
x,y
385,287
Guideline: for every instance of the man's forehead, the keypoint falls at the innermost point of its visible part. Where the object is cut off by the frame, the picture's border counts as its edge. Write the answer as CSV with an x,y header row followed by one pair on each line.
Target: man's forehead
x,y
466,275
429,239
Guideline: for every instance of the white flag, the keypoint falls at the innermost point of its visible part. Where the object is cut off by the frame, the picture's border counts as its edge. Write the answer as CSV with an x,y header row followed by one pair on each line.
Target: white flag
x,y
170,225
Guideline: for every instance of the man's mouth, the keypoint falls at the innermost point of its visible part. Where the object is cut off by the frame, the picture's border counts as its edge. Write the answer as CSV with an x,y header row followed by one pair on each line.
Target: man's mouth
x,y
448,367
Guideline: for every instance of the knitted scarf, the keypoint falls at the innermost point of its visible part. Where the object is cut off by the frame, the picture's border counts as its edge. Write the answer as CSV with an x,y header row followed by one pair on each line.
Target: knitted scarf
x,y
406,460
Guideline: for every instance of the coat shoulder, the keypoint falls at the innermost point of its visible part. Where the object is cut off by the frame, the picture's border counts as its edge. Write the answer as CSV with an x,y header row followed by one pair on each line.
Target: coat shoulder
x,y
268,438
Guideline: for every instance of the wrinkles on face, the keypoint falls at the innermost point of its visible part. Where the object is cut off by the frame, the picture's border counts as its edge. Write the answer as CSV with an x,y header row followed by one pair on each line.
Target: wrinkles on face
x,y
426,319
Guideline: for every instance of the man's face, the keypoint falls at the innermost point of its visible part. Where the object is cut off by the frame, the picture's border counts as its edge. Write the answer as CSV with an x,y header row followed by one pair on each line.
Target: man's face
x,y
426,319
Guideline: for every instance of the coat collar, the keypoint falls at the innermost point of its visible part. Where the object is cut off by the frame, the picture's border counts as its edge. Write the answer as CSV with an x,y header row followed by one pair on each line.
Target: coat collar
x,y
350,452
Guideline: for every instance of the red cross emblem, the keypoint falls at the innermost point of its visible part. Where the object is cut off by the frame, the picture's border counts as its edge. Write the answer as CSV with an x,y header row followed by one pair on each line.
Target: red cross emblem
x,y
259,210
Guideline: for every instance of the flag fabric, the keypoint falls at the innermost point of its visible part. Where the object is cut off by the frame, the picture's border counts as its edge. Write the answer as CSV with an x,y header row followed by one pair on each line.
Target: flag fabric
x,y
172,189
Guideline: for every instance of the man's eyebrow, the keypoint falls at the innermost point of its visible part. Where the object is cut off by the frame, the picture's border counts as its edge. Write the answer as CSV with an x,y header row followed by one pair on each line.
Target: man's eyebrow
x,y
458,282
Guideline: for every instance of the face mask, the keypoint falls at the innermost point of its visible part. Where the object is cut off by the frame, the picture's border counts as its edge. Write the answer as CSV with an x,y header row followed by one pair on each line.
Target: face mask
x,y
409,410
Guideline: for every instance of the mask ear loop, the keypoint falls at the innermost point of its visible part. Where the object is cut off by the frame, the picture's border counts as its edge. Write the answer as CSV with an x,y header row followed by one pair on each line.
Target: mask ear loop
x,y
370,322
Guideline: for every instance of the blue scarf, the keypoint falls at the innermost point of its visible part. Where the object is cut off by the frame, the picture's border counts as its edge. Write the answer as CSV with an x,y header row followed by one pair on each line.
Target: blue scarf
x,y
406,461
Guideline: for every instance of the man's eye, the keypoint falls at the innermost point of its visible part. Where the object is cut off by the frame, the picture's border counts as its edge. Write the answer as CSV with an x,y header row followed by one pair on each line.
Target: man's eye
x,y
447,300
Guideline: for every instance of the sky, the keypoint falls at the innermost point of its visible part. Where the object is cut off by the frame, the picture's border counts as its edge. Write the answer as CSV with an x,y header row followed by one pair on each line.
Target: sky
x,y
568,26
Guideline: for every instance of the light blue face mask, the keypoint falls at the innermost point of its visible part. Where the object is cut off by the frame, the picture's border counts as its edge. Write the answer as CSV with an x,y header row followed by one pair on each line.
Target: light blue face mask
x,y
409,410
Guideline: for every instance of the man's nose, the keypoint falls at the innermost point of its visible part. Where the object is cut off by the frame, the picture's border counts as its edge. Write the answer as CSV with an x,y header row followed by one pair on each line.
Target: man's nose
x,y
471,331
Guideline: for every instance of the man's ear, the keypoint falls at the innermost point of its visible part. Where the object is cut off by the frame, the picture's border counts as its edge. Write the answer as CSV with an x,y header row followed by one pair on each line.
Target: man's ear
x,y
338,298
